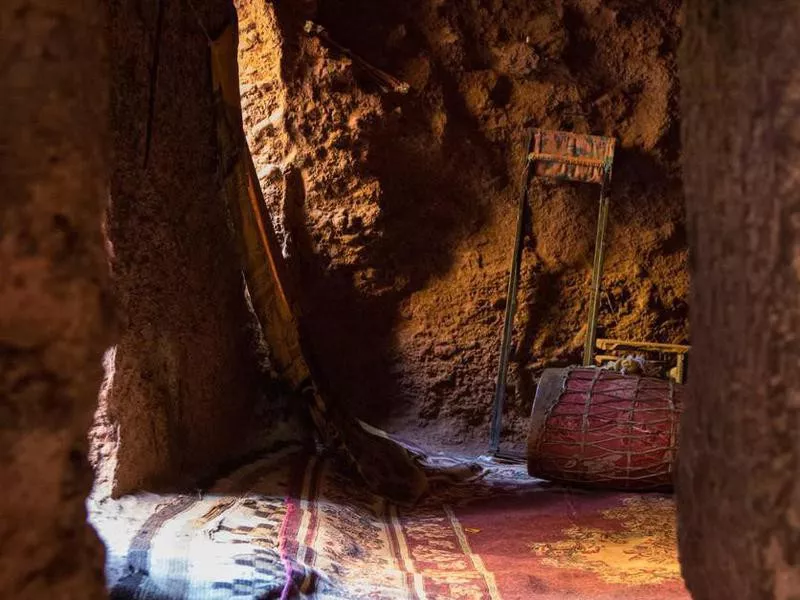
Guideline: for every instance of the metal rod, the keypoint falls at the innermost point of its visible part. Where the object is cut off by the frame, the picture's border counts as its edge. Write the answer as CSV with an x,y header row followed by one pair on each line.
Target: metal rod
x,y
597,277
511,304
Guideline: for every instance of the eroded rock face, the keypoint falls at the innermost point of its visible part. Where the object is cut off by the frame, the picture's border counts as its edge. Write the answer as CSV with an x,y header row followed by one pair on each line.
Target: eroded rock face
x,y
398,211
186,384
739,463
54,309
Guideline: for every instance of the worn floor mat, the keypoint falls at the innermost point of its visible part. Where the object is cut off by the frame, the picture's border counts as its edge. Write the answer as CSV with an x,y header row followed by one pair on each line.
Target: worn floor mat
x,y
292,526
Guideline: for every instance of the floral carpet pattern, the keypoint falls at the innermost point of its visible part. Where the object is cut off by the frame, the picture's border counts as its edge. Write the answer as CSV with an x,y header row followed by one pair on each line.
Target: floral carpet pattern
x,y
293,526
641,551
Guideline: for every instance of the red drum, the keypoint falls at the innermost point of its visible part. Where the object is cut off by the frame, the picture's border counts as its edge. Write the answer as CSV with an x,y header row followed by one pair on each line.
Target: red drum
x,y
597,427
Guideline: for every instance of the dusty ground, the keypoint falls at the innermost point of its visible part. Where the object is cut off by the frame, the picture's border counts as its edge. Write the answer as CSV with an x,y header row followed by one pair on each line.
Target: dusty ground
x,y
398,211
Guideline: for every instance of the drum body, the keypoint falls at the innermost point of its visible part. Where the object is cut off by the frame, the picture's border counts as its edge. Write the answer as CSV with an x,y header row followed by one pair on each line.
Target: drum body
x,y
596,427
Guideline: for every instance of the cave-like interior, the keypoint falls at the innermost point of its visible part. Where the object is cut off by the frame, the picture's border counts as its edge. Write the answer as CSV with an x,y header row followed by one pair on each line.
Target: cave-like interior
x,y
255,259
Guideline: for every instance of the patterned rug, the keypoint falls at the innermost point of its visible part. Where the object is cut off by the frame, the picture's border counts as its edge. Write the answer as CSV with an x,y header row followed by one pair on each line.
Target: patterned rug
x,y
292,526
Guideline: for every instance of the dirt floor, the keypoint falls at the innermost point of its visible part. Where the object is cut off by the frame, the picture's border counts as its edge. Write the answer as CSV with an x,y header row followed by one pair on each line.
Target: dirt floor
x,y
397,211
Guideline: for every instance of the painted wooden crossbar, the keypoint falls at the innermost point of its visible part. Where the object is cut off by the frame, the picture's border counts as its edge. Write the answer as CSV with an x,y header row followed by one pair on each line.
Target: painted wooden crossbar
x,y
572,156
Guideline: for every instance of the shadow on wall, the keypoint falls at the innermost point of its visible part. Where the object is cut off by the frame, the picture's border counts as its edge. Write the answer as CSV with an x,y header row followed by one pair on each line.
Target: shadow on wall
x,y
402,208
392,243
353,312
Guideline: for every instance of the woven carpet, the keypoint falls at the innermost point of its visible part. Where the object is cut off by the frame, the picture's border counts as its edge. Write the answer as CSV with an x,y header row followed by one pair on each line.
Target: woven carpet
x,y
292,526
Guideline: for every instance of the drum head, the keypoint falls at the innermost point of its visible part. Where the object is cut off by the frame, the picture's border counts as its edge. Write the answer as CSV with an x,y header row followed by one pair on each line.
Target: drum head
x,y
550,388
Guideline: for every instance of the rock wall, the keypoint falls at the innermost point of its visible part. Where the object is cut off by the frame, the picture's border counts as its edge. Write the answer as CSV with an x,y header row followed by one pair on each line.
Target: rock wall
x,y
738,493
54,308
187,383
398,210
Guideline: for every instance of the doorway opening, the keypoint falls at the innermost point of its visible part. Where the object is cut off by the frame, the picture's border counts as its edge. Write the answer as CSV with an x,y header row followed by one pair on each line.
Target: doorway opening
x,y
385,143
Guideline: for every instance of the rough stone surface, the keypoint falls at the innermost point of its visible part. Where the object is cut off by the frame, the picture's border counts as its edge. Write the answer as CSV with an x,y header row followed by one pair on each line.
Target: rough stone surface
x,y
186,383
739,476
54,309
398,211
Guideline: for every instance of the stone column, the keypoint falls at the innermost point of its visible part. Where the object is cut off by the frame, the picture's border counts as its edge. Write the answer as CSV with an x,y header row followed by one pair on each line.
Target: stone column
x,y
739,473
184,387
54,310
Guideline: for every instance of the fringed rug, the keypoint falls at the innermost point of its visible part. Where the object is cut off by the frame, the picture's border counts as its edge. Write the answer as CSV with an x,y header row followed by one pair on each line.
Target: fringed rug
x,y
292,526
